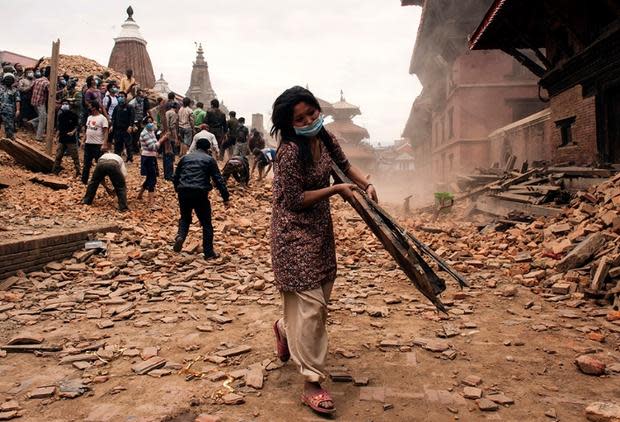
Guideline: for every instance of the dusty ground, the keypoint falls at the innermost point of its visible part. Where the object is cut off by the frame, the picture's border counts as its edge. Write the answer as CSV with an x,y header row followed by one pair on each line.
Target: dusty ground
x,y
517,342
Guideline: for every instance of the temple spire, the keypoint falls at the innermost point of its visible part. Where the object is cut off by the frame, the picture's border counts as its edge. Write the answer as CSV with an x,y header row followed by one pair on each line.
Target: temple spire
x,y
200,88
130,13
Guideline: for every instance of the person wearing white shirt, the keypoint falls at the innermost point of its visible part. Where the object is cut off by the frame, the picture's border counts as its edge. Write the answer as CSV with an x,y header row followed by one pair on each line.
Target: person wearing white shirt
x,y
96,136
205,134
112,166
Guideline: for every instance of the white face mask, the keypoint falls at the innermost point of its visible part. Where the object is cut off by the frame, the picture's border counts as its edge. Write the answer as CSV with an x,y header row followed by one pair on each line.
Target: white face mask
x,y
65,107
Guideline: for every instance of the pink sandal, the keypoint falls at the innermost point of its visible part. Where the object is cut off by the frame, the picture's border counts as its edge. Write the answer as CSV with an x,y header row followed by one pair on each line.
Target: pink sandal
x,y
315,399
281,344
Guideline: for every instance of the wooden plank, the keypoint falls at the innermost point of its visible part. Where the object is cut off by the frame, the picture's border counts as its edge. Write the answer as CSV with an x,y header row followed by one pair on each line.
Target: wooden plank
x,y
30,348
582,171
514,191
544,189
518,179
51,100
502,208
400,250
53,182
510,164
509,196
27,156
476,191
533,181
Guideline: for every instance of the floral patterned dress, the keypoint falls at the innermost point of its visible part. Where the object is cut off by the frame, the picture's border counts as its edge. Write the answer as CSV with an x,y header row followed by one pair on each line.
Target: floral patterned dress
x,y
302,239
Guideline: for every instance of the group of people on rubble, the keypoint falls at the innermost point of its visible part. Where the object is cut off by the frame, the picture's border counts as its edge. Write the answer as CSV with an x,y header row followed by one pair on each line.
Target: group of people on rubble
x,y
302,238
108,114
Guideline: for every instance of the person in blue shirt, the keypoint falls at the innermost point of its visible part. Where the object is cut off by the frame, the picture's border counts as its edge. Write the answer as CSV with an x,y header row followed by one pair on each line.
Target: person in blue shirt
x,y
263,159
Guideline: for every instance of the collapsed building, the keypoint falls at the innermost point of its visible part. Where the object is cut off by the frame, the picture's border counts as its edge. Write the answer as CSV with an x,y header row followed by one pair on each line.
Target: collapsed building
x,y
573,47
466,94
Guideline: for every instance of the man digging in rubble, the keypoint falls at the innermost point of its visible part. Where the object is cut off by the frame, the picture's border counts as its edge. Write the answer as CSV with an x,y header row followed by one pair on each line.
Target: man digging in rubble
x,y
302,242
112,166
239,168
263,159
192,181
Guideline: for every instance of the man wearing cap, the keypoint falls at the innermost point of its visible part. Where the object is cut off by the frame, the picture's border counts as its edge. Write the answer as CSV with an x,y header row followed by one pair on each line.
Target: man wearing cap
x,y
10,102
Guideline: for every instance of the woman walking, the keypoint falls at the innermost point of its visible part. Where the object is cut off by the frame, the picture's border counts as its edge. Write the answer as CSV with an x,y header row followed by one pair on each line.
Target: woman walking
x,y
302,242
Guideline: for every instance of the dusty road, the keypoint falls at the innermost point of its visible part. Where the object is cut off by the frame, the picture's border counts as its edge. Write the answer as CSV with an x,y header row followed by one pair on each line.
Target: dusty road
x,y
500,340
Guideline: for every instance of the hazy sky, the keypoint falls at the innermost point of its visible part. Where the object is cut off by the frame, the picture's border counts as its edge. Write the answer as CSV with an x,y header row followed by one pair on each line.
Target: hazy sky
x,y
255,49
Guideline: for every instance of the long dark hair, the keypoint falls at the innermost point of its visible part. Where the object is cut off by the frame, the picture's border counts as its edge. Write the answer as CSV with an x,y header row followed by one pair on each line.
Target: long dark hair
x,y
282,119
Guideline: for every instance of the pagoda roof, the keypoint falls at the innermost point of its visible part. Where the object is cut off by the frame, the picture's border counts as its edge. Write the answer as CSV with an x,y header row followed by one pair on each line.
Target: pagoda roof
x,y
344,105
346,127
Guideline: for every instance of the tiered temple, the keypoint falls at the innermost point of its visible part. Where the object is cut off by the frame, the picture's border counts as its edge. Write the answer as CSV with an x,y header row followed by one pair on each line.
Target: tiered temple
x,y
200,88
345,129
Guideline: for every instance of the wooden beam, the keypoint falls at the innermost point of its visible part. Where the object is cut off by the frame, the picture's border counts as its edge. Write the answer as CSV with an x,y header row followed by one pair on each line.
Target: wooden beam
x,y
510,164
30,348
534,67
416,269
518,179
26,155
51,100
511,196
501,208
582,171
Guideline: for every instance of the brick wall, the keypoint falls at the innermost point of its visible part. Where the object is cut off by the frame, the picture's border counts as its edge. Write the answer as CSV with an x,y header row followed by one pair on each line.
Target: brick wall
x,y
567,104
528,139
33,253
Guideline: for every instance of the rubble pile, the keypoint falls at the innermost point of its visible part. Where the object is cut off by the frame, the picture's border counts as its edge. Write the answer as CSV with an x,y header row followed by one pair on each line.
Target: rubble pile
x,y
118,329
81,67
136,279
507,192
571,255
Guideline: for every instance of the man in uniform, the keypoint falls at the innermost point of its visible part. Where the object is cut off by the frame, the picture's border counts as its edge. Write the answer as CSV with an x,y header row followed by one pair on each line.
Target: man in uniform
x,y
10,102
